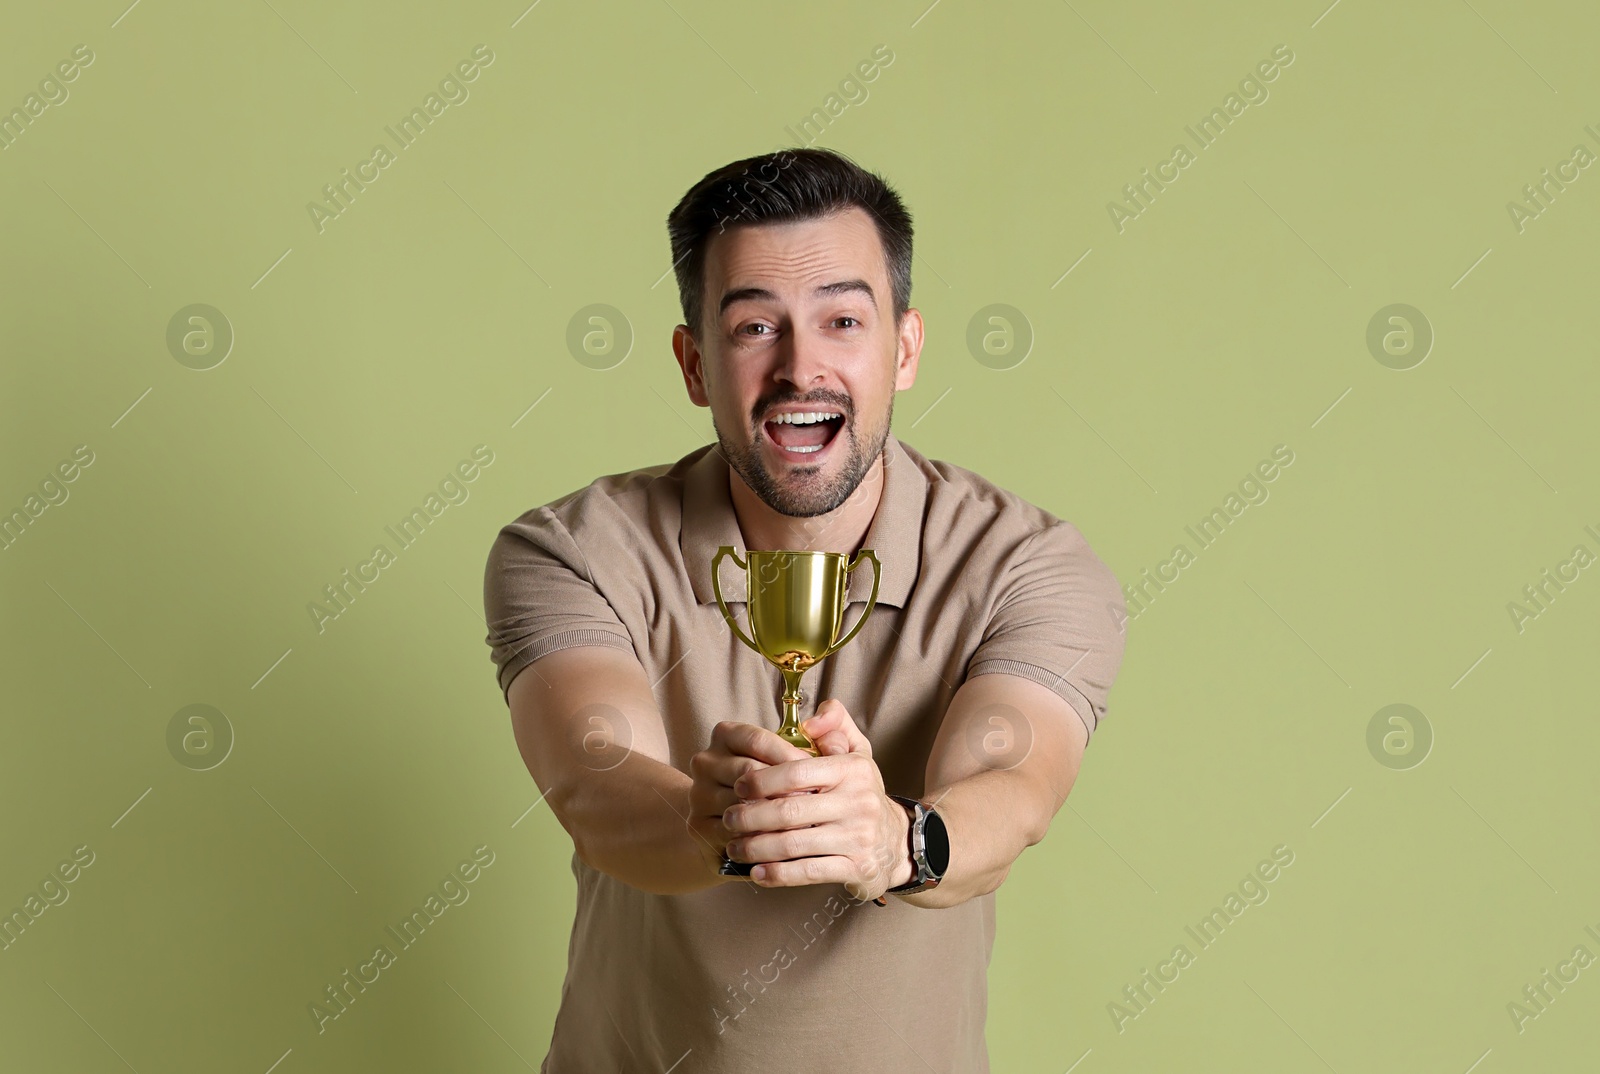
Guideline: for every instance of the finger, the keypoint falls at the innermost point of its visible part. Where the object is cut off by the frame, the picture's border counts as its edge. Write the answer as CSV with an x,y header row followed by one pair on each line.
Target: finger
x,y
827,718
833,743
830,869
748,740
722,769
824,839
823,773
832,718
780,814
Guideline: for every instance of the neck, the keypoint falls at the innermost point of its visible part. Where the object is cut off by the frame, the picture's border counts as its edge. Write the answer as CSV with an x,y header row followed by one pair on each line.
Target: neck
x,y
841,530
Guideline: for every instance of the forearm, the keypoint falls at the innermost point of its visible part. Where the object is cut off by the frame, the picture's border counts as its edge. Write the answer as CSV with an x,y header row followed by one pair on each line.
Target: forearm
x,y
630,822
991,818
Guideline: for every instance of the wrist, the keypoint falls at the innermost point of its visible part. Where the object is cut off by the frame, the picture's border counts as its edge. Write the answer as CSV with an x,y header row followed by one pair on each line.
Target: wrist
x,y
902,868
929,847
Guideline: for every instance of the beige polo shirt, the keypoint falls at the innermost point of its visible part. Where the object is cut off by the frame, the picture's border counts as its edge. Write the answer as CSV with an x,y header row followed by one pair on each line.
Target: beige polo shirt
x,y
737,978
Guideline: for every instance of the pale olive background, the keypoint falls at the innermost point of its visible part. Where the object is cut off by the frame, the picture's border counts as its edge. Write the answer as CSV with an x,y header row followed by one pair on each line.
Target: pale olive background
x,y
368,360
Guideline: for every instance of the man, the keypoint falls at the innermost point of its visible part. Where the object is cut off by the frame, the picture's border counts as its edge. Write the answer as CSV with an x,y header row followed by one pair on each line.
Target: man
x,y
972,689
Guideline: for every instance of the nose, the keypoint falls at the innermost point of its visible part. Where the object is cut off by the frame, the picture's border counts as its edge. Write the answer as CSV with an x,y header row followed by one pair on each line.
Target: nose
x,y
801,361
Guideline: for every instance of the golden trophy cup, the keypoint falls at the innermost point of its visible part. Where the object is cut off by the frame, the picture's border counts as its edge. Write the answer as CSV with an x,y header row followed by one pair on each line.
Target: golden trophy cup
x,y
796,602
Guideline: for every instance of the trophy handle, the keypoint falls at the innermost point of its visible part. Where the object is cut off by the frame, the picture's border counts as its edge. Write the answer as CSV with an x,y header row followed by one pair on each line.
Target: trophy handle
x,y
716,588
872,600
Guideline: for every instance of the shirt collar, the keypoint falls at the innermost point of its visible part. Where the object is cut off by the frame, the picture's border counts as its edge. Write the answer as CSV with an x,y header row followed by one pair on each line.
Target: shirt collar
x,y
895,534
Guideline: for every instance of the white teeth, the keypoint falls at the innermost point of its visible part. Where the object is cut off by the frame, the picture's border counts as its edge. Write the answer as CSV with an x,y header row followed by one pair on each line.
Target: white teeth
x,y
808,418
813,447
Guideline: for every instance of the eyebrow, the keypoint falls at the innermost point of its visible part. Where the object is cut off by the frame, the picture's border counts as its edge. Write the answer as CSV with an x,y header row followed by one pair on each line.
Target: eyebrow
x,y
743,294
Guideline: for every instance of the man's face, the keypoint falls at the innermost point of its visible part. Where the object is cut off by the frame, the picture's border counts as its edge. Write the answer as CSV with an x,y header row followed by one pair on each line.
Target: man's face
x,y
799,319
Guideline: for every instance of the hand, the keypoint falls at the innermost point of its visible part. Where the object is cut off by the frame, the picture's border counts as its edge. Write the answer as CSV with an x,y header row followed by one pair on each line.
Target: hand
x,y
849,832
736,749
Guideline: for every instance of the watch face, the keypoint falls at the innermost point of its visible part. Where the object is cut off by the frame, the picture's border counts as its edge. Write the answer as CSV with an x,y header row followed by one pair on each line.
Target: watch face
x,y
936,843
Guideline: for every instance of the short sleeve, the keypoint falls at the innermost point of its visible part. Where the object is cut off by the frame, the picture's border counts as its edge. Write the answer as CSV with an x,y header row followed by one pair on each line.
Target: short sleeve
x,y
539,596
1057,622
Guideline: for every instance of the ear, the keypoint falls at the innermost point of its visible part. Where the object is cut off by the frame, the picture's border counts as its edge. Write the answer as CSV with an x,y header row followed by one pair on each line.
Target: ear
x,y
908,350
687,351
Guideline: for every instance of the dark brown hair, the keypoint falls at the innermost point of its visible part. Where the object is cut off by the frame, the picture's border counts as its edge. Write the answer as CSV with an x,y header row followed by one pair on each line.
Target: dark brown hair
x,y
788,184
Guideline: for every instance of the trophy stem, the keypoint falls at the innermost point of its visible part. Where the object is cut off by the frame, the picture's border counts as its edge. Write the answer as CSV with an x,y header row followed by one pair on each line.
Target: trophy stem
x,y
790,730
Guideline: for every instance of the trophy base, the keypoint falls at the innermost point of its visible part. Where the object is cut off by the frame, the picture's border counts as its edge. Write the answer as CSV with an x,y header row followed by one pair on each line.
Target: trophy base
x,y
736,868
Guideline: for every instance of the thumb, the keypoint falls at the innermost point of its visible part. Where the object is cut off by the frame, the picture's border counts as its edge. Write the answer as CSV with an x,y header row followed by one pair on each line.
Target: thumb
x,y
834,730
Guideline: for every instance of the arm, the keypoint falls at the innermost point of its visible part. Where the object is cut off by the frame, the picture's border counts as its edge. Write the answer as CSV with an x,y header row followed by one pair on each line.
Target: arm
x,y
587,725
594,741
1013,737
1005,758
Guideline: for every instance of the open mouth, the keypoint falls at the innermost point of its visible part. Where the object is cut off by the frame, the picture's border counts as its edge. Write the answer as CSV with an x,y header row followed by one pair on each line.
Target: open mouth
x,y
804,436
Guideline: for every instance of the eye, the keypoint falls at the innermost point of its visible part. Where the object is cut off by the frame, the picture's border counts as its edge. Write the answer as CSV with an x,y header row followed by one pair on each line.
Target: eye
x,y
747,328
836,320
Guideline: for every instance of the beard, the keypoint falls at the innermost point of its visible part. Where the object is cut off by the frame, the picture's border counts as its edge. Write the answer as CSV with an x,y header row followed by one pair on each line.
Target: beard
x,y
807,493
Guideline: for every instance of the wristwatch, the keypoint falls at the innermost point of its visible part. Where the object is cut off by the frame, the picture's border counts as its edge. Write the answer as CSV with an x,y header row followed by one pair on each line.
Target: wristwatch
x,y
930,848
